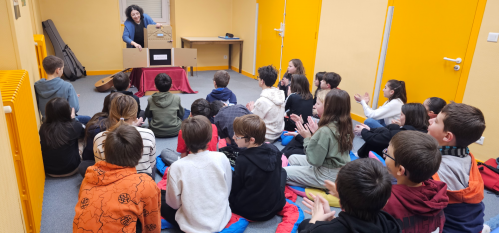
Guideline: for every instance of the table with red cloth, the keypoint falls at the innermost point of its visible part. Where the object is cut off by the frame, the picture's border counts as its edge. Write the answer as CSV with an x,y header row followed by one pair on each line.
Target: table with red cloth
x,y
143,79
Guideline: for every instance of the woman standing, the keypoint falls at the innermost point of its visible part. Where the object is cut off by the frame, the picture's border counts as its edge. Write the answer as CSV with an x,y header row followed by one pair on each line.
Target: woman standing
x,y
137,20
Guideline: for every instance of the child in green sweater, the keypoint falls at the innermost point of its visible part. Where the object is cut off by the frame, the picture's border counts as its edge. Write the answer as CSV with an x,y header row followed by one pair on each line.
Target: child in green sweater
x,y
327,145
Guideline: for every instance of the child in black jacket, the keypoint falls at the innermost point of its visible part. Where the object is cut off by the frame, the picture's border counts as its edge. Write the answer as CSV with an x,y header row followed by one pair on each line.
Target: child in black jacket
x,y
258,180
413,117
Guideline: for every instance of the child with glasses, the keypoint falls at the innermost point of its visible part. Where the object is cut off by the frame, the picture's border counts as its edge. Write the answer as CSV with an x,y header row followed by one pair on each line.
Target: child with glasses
x,y
417,201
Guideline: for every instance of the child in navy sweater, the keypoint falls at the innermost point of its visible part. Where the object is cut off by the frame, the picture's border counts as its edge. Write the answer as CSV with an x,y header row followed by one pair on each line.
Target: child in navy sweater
x,y
221,92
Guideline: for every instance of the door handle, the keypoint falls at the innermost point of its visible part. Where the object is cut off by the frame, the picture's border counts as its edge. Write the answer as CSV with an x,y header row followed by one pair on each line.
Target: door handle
x,y
457,60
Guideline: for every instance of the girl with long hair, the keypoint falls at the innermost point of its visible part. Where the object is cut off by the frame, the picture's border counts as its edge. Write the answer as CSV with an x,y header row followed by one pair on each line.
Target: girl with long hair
x,y
295,66
59,136
98,123
300,102
327,145
389,112
412,117
124,111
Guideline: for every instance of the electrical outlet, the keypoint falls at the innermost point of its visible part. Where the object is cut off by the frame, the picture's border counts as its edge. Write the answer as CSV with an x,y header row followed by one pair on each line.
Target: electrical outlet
x,y
225,56
480,141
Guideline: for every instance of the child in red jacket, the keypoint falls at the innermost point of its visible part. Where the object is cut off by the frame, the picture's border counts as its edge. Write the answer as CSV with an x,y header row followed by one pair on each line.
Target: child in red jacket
x,y
417,202
113,197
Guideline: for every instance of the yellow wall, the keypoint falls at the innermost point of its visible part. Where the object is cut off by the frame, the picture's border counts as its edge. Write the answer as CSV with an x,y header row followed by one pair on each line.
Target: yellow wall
x,y
243,26
19,44
91,28
483,82
350,35
204,18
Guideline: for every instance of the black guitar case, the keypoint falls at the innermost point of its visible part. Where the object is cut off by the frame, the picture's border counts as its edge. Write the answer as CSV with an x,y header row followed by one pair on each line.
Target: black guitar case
x,y
72,67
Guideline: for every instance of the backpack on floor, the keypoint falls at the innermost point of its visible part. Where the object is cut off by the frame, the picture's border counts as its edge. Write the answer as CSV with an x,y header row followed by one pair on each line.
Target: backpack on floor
x,y
490,174
72,67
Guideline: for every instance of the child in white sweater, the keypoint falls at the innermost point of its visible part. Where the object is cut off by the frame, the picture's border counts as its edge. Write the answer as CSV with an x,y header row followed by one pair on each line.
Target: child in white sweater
x,y
198,185
389,112
270,105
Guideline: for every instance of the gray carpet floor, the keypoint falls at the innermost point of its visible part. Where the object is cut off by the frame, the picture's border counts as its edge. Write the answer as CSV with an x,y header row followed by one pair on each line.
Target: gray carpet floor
x,y
61,194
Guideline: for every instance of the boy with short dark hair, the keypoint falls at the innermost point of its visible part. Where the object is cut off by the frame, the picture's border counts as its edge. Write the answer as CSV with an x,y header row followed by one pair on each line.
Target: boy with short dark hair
x,y
53,86
121,82
270,105
417,201
258,167
199,107
164,109
363,187
455,128
126,201
198,186
330,81
221,92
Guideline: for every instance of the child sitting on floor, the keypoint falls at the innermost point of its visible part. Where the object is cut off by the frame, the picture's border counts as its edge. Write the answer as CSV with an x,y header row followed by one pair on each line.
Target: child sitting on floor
x,y
363,187
417,201
433,106
198,186
199,107
299,102
221,92
389,112
327,145
455,128
412,117
258,167
59,136
113,197
124,108
164,109
121,82
270,105
53,86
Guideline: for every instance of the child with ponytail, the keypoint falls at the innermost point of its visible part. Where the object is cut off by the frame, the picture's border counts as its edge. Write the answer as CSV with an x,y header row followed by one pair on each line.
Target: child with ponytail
x,y
124,111
327,145
389,112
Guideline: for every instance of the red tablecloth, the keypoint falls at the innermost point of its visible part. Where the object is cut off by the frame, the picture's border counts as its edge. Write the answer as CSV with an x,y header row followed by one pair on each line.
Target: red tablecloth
x,y
143,79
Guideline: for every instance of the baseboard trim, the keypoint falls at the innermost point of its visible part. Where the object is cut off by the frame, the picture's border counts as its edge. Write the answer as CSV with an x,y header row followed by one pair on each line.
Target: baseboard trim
x,y
358,118
245,73
102,72
204,68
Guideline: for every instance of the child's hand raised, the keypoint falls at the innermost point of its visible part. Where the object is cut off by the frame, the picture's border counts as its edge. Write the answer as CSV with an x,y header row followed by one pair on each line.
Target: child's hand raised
x,y
366,98
357,97
320,210
331,186
312,126
303,130
296,118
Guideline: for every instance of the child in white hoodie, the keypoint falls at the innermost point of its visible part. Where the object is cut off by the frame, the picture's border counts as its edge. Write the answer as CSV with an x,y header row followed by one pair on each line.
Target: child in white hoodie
x,y
270,105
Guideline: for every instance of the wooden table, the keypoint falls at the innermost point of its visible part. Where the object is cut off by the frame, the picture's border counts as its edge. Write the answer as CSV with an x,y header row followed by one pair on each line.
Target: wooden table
x,y
215,40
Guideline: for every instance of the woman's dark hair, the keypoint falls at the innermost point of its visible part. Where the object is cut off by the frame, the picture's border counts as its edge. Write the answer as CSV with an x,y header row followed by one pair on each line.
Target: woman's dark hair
x,y
436,104
196,132
364,186
416,116
268,74
337,109
123,145
100,119
319,77
57,123
398,88
300,86
129,9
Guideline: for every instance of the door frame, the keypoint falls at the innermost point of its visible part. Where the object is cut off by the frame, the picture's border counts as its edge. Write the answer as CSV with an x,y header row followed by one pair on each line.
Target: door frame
x,y
468,58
